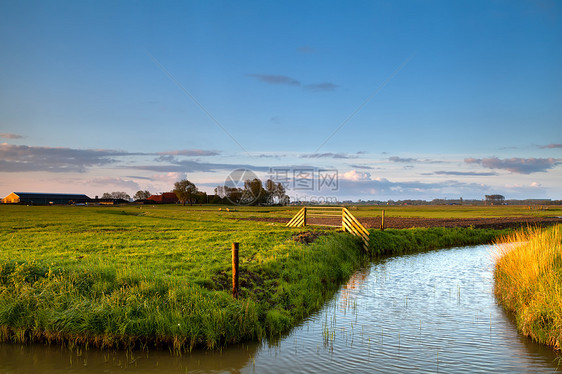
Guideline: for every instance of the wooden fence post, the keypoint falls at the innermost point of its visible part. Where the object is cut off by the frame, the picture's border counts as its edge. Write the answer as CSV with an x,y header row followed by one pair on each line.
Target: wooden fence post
x,y
235,283
382,220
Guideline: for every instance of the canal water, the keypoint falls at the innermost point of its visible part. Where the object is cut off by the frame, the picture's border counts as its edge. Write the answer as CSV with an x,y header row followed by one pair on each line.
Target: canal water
x,y
426,312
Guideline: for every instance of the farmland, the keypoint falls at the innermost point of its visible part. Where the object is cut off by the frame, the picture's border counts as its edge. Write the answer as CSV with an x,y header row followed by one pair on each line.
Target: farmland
x,y
139,276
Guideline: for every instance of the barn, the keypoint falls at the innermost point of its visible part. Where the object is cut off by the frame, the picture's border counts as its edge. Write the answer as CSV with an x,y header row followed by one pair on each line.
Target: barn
x,y
165,198
38,198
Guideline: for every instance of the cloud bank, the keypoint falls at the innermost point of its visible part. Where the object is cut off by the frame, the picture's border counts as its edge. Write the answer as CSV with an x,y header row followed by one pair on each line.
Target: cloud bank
x,y
190,152
466,173
328,155
279,79
21,158
7,135
276,79
516,164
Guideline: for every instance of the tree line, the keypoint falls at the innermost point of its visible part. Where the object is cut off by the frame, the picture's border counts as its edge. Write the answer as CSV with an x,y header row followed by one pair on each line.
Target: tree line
x,y
254,192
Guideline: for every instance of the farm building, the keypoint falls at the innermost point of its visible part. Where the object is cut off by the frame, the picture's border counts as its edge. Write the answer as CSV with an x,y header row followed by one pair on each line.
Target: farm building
x,y
38,198
108,201
165,198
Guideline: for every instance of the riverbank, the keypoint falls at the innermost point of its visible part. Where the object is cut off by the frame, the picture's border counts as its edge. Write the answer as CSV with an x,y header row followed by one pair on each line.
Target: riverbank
x,y
400,241
132,278
528,279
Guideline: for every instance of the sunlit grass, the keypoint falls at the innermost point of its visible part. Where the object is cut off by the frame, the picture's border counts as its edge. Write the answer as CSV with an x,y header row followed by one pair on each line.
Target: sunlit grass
x,y
528,280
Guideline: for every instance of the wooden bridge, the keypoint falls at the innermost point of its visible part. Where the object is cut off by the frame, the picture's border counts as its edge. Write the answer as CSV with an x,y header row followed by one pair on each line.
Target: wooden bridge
x,y
349,223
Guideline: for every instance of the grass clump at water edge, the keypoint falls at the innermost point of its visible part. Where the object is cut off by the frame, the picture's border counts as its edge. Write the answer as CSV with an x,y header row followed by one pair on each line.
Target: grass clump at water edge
x,y
401,241
528,282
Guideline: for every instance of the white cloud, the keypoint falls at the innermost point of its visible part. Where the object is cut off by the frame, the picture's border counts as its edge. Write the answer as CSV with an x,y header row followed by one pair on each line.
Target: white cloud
x,y
355,176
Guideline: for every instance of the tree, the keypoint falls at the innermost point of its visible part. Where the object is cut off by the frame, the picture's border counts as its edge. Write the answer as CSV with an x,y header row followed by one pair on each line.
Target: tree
x,y
275,193
229,194
185,191
254,192
495,199
116,195
142,195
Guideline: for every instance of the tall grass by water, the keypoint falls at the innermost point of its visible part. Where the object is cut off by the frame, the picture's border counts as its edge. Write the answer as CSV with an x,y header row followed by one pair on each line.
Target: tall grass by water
x,y
528,282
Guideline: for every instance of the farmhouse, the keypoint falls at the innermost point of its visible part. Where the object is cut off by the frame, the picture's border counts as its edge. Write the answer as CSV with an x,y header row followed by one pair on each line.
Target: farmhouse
x,y
39,198
165,198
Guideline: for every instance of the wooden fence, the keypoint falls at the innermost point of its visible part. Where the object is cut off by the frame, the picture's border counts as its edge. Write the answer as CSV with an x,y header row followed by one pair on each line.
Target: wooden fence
x,y
348,221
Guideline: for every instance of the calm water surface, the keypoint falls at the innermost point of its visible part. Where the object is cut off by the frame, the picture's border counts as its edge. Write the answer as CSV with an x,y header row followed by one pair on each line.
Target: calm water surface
x,y
428,312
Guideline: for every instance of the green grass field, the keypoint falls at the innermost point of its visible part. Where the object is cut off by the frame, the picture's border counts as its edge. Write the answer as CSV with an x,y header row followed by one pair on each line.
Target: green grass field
x,y
116,276
161,275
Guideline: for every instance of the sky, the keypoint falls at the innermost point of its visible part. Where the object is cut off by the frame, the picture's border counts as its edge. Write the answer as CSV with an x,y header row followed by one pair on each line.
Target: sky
x,y
370,100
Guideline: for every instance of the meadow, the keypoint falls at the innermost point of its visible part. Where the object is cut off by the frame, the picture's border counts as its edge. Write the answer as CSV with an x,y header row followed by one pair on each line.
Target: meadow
x,y
140,276
130,276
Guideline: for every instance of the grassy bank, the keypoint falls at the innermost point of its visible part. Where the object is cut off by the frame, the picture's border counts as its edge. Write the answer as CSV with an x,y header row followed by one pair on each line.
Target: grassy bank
x,y
133,277
528,282
391,241
121,277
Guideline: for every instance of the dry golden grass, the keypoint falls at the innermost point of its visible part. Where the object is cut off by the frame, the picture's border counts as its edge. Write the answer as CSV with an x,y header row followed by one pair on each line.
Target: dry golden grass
x,y
528,278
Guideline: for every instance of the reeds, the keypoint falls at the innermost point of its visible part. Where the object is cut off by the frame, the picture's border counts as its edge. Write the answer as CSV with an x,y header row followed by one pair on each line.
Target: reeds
x,y
528,280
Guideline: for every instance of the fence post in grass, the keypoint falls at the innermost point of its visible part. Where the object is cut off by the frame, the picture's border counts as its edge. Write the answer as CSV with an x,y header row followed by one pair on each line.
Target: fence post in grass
x,y
382,220
235,283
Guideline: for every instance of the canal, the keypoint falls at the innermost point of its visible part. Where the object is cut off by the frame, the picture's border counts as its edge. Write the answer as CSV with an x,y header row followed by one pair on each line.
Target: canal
x,y
426,312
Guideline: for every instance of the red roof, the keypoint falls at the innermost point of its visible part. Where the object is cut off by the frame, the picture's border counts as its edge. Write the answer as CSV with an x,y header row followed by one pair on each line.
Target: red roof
x,y
165,198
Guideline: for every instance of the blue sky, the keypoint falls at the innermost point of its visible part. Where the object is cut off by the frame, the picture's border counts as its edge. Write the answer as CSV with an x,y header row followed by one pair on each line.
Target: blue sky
x,y
405,99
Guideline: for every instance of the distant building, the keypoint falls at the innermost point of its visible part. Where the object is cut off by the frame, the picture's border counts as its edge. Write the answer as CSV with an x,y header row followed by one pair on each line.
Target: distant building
x,y
165,198
38,198
109,201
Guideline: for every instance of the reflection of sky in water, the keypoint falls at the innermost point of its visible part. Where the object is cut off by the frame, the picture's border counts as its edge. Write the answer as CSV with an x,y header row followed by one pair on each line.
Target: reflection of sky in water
x,y
433,311
427,312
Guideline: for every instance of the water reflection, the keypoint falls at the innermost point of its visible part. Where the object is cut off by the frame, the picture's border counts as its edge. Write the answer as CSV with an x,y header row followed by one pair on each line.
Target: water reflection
x,y
426,312
429,312
37,358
